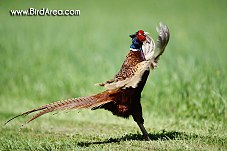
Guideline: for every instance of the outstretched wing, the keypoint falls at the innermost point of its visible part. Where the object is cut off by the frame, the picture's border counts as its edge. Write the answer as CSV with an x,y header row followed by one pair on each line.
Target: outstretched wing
x,y
150,61
163,39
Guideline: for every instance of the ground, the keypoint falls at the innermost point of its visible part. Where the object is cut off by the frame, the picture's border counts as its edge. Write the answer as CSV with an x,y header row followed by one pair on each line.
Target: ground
x,y
45,59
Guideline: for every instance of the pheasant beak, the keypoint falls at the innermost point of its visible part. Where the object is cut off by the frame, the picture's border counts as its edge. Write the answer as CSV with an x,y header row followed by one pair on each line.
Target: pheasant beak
x,y
146,33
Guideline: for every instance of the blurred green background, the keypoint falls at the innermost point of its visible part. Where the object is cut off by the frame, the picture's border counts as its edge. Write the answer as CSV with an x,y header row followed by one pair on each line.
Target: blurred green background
x,y
45,59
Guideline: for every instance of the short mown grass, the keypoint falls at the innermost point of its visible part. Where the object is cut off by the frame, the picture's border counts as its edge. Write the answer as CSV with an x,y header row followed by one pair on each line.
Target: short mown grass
x,y
45,59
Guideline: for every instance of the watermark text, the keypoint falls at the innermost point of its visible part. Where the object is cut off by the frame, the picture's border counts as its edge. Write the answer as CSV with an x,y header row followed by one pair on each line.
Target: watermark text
x,y
44,12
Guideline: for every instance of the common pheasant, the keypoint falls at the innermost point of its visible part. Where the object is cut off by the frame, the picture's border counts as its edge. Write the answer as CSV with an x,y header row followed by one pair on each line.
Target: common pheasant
x,y
123,93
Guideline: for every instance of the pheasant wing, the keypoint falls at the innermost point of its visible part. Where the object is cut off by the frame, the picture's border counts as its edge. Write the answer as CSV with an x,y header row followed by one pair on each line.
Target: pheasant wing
x,y
163,39
151,60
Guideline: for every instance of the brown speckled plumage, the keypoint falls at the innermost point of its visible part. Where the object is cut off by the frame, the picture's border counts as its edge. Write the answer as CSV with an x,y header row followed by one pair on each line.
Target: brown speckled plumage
x,y
128,67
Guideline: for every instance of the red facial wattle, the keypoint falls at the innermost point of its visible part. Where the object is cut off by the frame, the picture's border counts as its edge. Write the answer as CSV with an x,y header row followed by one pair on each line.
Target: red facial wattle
x,y
140,35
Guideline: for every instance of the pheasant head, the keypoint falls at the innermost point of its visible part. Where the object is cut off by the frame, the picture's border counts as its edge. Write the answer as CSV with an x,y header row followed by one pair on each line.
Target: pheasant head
x,y
137,40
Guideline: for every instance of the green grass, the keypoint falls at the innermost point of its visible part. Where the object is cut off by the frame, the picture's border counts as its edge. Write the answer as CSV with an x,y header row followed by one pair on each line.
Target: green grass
x,y
45,59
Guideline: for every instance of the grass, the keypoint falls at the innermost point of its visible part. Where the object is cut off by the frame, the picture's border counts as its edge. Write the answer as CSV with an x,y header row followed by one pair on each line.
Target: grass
x,y
44,59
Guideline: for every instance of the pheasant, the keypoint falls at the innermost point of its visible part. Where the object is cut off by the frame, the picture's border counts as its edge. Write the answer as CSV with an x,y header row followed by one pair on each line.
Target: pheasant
x,y
123,92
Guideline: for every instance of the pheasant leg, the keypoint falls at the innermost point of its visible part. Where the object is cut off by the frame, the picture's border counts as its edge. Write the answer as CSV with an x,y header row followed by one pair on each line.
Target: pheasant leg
x,y
145,134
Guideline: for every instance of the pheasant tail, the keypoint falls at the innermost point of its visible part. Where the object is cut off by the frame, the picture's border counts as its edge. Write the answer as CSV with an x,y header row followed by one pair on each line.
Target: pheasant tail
x,y
69,104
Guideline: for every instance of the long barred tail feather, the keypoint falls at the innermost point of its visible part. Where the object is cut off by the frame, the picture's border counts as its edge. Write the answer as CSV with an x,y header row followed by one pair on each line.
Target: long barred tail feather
x,y
69,104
